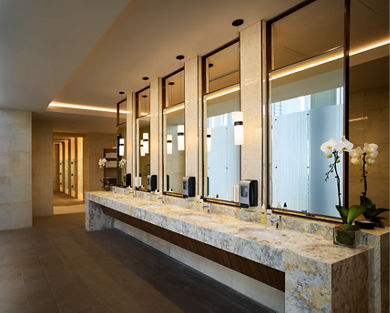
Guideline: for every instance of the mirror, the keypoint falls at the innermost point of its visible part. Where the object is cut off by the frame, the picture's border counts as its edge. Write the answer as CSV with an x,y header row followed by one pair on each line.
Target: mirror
x,y
306,107
369,97
222,158
174,149
142,138
173,132
121,153
143,151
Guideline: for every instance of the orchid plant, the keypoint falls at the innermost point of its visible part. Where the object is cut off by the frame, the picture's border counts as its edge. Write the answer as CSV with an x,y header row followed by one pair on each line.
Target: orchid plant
x,y
334,149
366,157
122,163
106,183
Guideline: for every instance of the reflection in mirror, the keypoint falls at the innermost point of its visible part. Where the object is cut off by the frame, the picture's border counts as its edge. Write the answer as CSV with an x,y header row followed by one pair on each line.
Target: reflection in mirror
x,y
174,154
121,148
143,102
306,110
223,68
302,34
174,89
369,96
222,159
143,151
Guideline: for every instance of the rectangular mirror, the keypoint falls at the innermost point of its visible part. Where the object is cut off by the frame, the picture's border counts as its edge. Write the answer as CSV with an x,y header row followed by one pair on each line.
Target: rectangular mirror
x,y
174,148
143,151
173,132
143,138
222,158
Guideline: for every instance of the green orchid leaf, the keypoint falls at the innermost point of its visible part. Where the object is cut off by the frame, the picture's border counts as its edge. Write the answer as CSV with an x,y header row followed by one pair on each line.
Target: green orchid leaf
x,y
365,202
343,212
353,212
380,211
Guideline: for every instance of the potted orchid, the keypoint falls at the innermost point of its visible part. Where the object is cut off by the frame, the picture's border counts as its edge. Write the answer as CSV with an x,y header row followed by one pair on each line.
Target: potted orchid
x,y
365,158
106,183
121,165
345,233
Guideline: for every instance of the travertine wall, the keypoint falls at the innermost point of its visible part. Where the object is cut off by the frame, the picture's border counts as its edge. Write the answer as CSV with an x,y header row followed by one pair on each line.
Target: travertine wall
x,y
42,168
15,169
94,146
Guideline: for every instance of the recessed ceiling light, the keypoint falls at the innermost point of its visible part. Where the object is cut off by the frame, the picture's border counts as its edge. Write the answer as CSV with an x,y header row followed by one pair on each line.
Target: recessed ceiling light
x,y
238,22
145,78
144,96
211,65
171,83
121,92
180,57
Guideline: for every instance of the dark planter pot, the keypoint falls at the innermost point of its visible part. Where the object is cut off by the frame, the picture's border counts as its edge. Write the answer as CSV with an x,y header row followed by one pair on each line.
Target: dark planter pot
x,y
343,236
365,224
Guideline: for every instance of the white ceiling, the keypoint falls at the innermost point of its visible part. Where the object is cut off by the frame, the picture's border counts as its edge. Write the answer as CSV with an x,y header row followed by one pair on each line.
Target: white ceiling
x,y
84,52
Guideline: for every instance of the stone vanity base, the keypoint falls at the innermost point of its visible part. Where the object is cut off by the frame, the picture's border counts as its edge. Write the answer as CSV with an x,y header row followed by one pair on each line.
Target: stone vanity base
x,y
318,276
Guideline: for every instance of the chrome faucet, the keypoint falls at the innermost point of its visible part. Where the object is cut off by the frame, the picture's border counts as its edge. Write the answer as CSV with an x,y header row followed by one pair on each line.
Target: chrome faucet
x,y
207,205
278,220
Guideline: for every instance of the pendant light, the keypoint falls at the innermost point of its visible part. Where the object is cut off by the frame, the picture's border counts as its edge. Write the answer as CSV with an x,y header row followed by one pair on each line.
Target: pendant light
x,y
169,144
121,147
180,137
238,122
208,139
145,137
142,149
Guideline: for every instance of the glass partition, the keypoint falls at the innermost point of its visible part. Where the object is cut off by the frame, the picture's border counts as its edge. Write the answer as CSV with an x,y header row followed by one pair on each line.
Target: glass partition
x,y
306,106
173,132
143,138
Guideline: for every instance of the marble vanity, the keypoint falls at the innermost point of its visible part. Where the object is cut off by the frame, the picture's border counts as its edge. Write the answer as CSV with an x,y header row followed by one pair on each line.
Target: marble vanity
x,y
318,276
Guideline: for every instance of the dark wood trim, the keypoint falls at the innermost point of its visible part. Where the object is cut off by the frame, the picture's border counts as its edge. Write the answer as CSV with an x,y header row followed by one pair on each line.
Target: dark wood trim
x,y
173,194
315,217
222,202
290,10
260,272
232,42
347,21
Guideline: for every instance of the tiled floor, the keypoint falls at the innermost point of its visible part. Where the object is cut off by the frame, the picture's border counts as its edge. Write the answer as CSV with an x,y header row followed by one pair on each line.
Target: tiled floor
x,y
56,266
78,208
61,199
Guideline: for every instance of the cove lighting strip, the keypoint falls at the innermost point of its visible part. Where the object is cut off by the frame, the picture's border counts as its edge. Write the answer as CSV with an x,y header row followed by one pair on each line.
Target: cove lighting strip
x,y
310,64
83,107
223,92
174,109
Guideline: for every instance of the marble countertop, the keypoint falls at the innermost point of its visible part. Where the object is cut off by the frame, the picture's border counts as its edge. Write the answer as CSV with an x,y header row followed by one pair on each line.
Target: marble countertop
x,y
255,241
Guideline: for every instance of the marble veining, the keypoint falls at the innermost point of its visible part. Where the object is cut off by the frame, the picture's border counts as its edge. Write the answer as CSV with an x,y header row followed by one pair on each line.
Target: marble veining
x,y
311,262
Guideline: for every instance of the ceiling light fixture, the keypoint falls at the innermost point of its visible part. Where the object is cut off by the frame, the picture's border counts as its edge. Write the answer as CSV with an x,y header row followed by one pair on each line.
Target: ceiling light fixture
x,y
121,92
238,22
82,107
328,57
180,57
223,92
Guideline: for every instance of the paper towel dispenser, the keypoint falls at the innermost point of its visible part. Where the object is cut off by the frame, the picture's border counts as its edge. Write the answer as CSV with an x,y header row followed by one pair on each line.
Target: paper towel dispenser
x,y
152,182
248,193
188,186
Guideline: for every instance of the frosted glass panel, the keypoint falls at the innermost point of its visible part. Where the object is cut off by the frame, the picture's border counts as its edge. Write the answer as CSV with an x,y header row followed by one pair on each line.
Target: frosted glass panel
x,y
306,110
222,157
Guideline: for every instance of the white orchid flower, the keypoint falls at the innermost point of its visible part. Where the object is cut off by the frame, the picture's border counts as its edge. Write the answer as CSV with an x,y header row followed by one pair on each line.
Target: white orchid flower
x,y
343,145
356,153
372,155
328,147
370,147
370,161
356,161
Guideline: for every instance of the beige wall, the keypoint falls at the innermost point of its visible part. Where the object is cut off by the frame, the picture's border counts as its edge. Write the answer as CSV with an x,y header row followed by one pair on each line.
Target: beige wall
x,y
42,168
94,145
15,169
